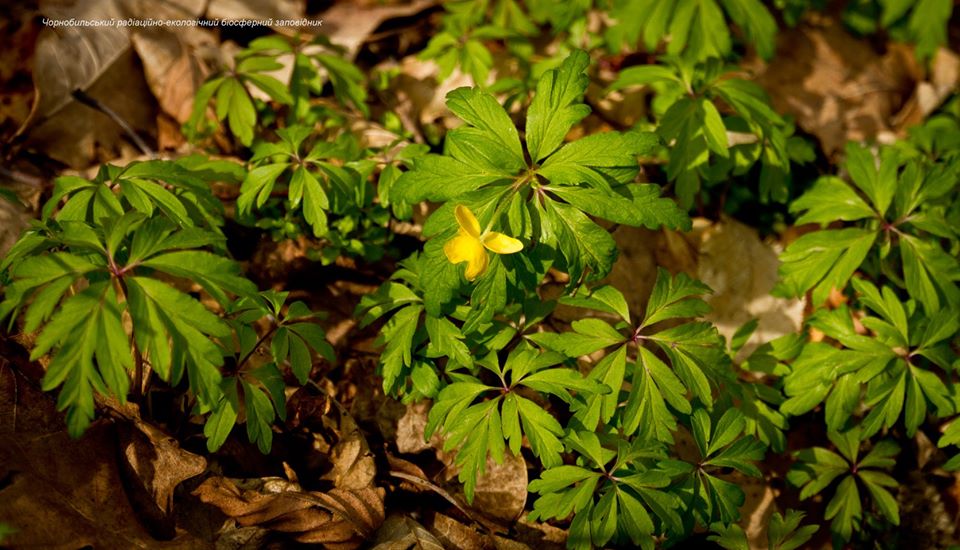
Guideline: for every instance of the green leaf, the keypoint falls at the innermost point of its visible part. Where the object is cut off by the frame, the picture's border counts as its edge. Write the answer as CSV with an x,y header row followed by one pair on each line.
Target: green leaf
x,y
785,533
845,509
929,272
398,335
179,335
674,297
730,537
481,110
91,353
597,158
557,106
542,430
223,417
599,407
440,178
216,274
347,81
258,185
584,245
829,200
260,417
823,260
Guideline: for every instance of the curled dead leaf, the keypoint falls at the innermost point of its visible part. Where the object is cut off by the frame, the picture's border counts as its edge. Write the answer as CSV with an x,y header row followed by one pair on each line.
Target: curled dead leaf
x,y
152,465
340,519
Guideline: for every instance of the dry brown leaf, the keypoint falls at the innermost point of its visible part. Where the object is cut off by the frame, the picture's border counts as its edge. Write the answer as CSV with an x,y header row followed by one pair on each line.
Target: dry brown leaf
x,y
338,519
835,84
742,271
454,534
349,24
172,73
257,9
410,429
101,62
417,98
501,492
14,218
929,95
59,492
20,29
401,532
353,464
542,536
152,465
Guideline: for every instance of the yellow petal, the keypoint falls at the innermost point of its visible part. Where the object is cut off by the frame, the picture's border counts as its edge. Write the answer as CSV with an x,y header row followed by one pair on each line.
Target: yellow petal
x,y
467,221
466,248
501,244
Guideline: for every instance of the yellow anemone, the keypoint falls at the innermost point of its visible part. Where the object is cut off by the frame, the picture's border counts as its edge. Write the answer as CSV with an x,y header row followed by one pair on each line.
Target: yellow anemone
x,y
468,246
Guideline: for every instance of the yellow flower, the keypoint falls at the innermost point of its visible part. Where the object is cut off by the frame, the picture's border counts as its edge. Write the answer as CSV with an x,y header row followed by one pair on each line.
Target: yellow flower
x,y
468,245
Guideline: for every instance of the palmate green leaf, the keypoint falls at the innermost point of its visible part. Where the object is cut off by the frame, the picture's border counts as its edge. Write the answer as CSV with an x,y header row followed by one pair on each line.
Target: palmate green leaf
x,y
58,271
845,509
447,340
258,185
347,81
388,297
634,205
931,275
878,183
92,353
223,417
588,251
479,430
823,260
818,468
604,505
482,111
542,430
674,297
602,298
216,274
698,29
589,335
440,178
235,105
785,532
696,351
757,23
609,371
729,536
654,385
398,335
178,192
233,102
515,416
599,159
721,446
260,417
684,127
829,200
557,106
294,342
176,335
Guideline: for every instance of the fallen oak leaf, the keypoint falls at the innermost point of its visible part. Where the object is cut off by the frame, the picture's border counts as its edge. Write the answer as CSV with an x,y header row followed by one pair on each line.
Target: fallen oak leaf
x,y
353,464
152,465
401,532
341,519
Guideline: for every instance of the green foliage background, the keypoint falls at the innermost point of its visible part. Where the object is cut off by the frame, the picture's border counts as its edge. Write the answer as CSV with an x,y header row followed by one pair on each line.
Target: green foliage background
x,y
142,246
